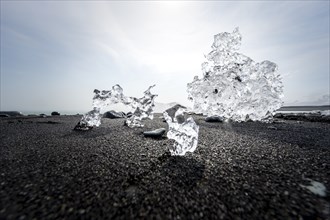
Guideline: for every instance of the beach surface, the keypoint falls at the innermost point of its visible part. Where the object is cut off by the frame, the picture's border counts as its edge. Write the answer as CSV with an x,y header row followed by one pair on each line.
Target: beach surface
x,y
246,170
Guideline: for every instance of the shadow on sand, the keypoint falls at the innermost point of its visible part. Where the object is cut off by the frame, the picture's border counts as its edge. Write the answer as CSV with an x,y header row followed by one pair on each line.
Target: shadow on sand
x,y
182,171
93,133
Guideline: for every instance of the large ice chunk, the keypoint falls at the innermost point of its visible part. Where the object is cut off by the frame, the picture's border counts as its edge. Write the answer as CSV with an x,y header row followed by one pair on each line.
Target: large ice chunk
x,y
142,107
233,85
182,129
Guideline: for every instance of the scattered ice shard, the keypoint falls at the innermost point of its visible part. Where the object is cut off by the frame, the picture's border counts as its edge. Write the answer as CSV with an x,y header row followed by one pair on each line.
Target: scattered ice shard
x,y
233,86
104,98
100,100
325,113
315,187
90,119
182,129
143,107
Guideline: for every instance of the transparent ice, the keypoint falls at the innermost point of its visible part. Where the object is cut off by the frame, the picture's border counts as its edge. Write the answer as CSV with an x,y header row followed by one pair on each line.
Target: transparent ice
x,y
182,129
325,112
233,86
315,187
91,118
142,107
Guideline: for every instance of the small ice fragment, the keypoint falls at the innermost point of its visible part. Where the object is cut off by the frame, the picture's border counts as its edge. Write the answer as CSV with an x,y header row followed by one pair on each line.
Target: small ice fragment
x,y
234,86
182,129
325,113
89,120
315,187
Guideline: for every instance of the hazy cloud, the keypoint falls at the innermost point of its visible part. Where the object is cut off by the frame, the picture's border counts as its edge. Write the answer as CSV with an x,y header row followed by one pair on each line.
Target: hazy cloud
x,y
53,54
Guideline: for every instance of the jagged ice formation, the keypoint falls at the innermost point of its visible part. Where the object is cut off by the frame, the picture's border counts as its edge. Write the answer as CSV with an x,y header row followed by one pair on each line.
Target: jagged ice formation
x,y
142,107
233,85
182,129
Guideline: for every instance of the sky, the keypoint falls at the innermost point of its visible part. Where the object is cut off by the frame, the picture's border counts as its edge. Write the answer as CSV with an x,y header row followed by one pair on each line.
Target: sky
x,y
55,53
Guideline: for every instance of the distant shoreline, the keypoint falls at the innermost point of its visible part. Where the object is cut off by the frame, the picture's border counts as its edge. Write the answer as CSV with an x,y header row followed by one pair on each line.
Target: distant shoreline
x,y
305,108
284,108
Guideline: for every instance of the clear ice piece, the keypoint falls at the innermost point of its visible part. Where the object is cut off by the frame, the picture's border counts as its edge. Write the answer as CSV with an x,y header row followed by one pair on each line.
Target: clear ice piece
x,y
315,187
92,118
233,86
101,99
142,107
182,129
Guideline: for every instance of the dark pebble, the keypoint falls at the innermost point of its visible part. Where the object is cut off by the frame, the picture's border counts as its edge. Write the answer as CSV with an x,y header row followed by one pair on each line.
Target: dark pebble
x,y
214,119
113,114
55,113
155,133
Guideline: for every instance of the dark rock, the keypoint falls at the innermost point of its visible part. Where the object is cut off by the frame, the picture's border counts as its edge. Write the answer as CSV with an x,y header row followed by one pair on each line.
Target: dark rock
x,y
52,122
55,113
11,113
113,114
4,116
272,127
278,121
155,133
214,118
278,115
82,127
129,114
43,115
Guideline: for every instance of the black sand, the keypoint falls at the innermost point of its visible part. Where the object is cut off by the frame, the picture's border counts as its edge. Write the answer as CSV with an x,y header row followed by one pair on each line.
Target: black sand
x,y
239,171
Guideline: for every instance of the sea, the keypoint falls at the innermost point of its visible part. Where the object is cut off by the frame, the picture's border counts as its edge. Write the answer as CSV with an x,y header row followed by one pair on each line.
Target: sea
x,y
303,109
284,109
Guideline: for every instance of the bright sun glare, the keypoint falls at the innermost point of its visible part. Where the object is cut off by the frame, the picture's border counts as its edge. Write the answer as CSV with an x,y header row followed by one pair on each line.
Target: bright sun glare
x,y
171,4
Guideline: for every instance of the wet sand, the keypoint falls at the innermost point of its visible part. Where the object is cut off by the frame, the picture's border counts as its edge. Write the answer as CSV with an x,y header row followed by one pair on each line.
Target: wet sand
x,y
239,171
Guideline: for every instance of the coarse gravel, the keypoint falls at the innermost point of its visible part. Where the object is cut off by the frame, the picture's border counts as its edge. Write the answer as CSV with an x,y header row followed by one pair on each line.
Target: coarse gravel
x,y
246,170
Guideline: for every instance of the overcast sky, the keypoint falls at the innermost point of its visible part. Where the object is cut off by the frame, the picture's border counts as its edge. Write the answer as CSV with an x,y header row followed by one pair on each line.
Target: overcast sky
x,y
55,53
